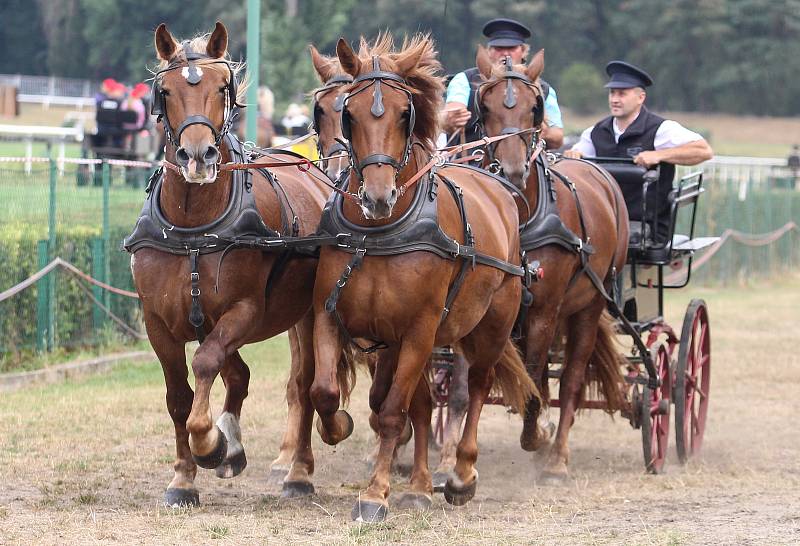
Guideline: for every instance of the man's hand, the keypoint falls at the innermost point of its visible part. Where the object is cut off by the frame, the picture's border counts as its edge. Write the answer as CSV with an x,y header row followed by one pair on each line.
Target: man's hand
x,y
648,159
454,116
573,154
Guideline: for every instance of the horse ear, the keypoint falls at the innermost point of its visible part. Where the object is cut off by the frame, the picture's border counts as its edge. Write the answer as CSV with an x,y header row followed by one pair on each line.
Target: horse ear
x,y
165,43
536,66
218,42
348,58
325,66
410,59
484,63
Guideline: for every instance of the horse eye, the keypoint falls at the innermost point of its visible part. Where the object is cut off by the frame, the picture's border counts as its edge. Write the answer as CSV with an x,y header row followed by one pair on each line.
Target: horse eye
x,y
318,111
223,88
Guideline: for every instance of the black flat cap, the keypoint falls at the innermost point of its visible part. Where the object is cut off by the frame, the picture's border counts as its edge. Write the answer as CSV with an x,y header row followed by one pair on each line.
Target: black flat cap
x,y
505,33
624,76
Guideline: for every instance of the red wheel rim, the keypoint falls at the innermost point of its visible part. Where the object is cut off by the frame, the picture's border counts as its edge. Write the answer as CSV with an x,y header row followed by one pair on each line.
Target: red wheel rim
x,y
659,403
697,383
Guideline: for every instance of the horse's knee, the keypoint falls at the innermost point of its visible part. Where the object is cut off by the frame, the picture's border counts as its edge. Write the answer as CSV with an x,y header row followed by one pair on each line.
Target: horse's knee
x,y
325,398
392,424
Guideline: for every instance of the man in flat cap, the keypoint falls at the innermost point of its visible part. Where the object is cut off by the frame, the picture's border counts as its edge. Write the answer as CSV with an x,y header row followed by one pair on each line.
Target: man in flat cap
x,y
633,131
506,37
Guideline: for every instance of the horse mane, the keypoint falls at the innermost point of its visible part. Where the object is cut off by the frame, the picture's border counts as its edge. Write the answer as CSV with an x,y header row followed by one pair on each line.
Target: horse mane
x,y
423,80
198,44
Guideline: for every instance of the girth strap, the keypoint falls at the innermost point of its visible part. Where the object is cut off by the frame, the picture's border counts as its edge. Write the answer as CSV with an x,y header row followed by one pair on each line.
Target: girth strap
x,y
196,317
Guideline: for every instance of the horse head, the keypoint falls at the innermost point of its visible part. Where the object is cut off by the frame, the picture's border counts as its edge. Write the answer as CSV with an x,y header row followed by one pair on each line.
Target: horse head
x,y
328,103
392,103
194,94
510,100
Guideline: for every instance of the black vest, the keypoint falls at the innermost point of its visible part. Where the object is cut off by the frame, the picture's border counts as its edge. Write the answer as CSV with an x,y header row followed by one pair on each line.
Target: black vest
x,y
639,137
474,78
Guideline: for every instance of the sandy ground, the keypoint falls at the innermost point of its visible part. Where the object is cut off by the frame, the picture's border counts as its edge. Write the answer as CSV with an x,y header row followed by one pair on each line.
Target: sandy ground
x,y
87,462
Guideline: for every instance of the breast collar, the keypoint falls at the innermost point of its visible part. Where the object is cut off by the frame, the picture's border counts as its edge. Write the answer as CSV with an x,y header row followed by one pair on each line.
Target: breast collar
x,y
240,220
544,226
417,228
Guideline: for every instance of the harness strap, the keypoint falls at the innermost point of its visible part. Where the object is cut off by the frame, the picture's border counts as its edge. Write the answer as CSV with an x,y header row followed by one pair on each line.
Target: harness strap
x,y
196,317
469,240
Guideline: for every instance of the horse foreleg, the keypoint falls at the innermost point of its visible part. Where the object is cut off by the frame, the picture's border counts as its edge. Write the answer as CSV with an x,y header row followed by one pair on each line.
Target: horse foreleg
x,y
457,403
539,334
171,354
334,425
236,376
419,412
372,504
207,442
280,466
298,480
581,337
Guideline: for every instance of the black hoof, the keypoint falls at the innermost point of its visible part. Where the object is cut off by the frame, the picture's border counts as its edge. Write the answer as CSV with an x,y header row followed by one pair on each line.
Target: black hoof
x,y
459,497
296,490
232,467
177,498
277,475
414,501
216,456
439,480
369,512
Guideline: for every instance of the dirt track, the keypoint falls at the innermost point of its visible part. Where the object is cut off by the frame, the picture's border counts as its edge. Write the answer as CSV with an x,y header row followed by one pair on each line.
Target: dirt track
x,y
87,462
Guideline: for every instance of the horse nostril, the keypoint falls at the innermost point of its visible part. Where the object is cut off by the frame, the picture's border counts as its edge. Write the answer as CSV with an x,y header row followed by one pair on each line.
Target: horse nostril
x,y
393,196
211,155
182,157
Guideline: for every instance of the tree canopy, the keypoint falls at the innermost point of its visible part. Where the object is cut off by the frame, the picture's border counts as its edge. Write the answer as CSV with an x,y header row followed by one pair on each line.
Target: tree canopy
x,y
708,55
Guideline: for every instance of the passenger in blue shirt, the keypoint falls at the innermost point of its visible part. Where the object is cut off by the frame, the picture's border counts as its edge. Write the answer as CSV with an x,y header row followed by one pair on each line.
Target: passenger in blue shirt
x,y
506,38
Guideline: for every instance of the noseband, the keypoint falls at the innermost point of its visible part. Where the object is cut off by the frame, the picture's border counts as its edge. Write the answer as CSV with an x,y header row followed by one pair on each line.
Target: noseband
x,y
338,104
510,101
193,74
377,77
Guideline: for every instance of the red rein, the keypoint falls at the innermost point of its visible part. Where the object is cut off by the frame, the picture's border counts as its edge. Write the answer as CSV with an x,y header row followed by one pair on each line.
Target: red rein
x,y
439,158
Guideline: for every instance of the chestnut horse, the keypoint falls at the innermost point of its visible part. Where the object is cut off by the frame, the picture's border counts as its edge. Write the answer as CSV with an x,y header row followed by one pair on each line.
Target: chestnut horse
x,y
194,284
579,263
400,299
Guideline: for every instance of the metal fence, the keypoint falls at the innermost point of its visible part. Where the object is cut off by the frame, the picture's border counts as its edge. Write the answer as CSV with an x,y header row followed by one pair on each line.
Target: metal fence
x,y
50,85
79,210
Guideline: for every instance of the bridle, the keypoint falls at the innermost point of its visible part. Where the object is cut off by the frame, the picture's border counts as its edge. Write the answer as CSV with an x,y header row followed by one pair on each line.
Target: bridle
x,y
193,74
510,101
376,77
335,82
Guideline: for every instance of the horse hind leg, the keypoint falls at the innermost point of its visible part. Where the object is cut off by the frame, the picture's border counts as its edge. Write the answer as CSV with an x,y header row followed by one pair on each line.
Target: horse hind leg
x,y
298,480
457,403
537,431
581,338
421,487
236,376
281,465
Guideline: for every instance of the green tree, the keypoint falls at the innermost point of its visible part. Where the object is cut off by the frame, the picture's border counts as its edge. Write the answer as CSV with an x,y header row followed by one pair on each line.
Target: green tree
x,y
581,89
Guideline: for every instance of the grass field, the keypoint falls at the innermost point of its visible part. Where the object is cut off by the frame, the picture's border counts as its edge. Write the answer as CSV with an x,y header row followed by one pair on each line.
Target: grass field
x,y
87,461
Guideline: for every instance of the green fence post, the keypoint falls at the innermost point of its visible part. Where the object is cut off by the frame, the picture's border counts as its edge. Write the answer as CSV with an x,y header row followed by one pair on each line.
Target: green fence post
x,y
106,232
51,278
253,50
98,272
42,289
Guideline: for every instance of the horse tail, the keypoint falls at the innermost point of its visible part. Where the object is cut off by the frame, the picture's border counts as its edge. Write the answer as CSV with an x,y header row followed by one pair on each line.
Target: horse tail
x,y
349,361
512,380
603,373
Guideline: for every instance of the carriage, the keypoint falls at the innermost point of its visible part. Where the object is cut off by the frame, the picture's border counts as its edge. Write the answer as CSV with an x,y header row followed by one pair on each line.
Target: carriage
x,y
661,369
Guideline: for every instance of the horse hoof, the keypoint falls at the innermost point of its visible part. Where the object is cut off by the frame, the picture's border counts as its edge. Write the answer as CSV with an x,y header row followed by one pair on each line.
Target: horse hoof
x,y
277,475
459,496
347,429
369,512
297,489
181,498
439,480
216,456
536,441
414,501
232,467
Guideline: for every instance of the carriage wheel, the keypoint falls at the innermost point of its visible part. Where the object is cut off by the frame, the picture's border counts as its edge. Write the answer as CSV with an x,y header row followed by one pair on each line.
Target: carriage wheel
x,y
654,408
692,380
